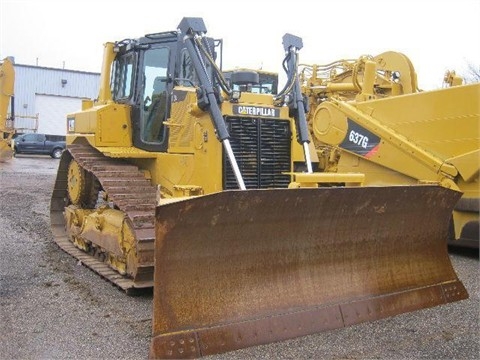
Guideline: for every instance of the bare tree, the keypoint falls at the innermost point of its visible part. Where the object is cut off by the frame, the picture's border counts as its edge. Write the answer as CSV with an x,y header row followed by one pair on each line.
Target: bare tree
x,y
472,74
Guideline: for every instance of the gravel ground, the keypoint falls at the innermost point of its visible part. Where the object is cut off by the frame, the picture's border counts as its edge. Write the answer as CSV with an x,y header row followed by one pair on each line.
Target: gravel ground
x,y
53,308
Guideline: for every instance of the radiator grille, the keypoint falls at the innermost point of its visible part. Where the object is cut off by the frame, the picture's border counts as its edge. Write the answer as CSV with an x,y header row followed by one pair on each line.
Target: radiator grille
x,y
262,150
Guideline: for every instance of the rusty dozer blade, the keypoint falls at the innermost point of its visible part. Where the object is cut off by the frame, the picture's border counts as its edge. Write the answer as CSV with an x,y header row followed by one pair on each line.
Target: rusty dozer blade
x,y
243,268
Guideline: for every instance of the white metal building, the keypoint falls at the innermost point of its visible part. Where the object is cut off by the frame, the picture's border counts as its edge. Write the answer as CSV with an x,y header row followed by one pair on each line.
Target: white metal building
x,y
44,96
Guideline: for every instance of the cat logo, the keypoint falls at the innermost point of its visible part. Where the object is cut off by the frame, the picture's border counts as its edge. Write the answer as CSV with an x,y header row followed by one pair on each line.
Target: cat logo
x,y
256,111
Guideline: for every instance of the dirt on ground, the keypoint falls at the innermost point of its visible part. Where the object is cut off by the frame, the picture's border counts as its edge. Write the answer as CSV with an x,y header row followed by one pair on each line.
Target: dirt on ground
x,y
53,307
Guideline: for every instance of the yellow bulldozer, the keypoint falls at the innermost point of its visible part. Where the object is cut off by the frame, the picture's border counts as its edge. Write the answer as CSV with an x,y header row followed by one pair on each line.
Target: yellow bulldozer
x,y
177,179
7,81
367,115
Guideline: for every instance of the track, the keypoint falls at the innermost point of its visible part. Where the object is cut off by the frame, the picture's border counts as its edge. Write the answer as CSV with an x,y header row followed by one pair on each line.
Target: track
x,y
130,192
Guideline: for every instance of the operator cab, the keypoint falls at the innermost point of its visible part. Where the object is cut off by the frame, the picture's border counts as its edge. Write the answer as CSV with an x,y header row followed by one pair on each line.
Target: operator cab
x,y
144,73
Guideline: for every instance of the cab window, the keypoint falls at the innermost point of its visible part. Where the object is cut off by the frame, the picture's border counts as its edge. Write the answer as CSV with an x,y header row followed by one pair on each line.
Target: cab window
x,y
122,77
188,76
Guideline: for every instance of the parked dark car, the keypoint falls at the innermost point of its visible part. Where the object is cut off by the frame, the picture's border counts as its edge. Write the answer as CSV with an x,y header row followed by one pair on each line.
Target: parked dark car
x,y
41,144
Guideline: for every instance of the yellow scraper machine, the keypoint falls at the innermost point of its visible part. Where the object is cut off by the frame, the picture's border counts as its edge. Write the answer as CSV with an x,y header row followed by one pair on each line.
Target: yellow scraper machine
x,y
7,82
209,191
368,115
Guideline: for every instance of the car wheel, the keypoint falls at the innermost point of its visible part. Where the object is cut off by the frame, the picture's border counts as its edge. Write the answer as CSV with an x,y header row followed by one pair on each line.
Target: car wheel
x,y
57,153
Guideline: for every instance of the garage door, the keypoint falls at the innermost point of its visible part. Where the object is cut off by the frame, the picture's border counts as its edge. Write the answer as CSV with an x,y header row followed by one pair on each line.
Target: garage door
x,y
52,112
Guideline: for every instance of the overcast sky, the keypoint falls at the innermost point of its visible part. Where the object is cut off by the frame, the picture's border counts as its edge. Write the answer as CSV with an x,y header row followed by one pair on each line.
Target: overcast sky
x,y
436,35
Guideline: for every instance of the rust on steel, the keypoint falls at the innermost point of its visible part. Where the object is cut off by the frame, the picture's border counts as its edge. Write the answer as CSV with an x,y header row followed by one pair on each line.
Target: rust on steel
x,y
243,268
